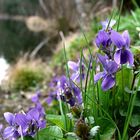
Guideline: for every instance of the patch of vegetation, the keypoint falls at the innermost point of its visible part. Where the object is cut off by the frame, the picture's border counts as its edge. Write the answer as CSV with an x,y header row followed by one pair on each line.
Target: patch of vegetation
x,y
25,79
74,48
26,75
131,22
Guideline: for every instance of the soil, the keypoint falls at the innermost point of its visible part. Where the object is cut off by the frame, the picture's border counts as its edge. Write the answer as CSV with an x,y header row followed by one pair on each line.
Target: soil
x,y
13,103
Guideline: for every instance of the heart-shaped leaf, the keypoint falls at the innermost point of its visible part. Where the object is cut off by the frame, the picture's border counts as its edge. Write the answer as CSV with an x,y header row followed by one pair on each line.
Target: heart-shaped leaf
x,y
107,129
51,133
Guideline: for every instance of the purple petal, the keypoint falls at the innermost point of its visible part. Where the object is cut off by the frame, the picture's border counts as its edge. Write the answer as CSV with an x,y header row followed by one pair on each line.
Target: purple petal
x,y
102,39
112,67
124,57
53,93
9,117
73,66
15,135
77,94
117,56
105,24
121,56
98,76
117,39
49,100
21,120
126,37
40,109
42,124
35,99
103,59
33,114
130,57
76,90
54,81
76,76
108,82
79,98
71,101
62,82
8,132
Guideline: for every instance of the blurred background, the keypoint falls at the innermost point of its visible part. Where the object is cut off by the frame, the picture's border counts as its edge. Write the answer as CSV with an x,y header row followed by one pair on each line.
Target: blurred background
x,y
31,50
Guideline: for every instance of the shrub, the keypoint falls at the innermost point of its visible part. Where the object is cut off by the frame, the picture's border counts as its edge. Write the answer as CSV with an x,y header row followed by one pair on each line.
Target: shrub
x,y
26,74
26,78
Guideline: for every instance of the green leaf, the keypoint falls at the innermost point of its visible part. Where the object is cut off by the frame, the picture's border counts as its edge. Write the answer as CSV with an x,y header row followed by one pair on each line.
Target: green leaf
x,y
137,101
107,129
127,77
123,110
94,131
128,90
72,136
90,120
51,133
124,78
57,120
135,120
135,50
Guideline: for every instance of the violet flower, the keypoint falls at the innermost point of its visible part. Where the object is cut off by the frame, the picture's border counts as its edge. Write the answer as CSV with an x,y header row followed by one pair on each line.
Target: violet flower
x,y
36,118
38,105
10,131
36,97
69,92
31,122
108,75
53,90
25,124
52,96
123,53
103,40
75,67
22,123
53,82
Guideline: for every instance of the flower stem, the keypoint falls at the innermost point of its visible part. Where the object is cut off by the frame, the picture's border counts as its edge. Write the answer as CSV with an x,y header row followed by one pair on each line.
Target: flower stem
x,y
130,109
122,89
129,114
62,113
37,136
